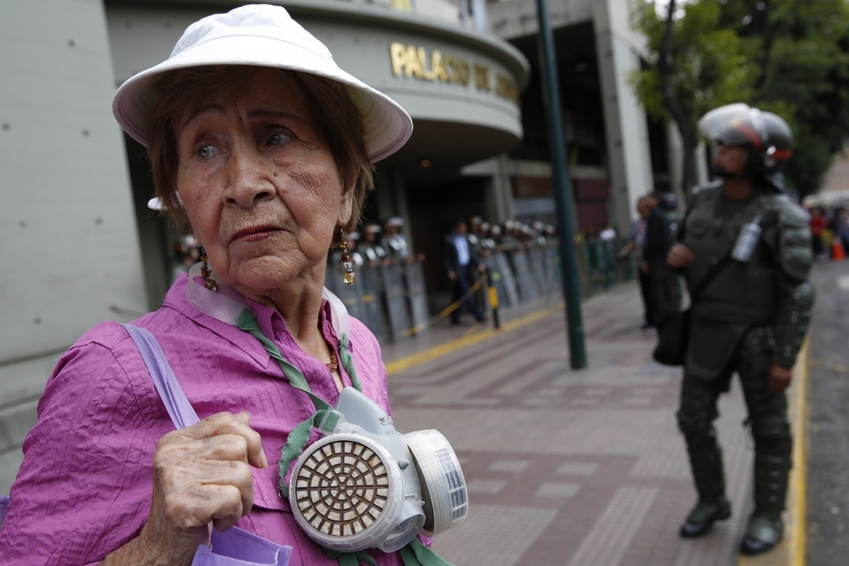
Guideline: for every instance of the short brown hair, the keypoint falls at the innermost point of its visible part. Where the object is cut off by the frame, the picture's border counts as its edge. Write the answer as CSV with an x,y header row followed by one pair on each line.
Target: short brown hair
x,y
339,121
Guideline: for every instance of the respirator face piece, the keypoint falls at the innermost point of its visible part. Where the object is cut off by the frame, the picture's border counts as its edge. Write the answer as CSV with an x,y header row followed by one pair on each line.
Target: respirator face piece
x,y
364,485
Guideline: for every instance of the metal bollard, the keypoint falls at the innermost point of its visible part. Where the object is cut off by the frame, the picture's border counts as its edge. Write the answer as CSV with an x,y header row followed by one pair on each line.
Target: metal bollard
x,y
493,298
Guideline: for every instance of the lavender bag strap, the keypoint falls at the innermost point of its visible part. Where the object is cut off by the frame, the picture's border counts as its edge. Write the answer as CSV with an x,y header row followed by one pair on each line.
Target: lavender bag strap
x,y
179,409
234,547
4,507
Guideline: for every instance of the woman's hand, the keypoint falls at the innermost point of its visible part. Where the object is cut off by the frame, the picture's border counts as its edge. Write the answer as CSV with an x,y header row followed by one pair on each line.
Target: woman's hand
x,y
679,256
201,475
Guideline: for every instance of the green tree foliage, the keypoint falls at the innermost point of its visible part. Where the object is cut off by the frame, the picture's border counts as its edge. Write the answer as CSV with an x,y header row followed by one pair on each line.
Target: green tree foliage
x,y
787,56
708,64
801,48
706,67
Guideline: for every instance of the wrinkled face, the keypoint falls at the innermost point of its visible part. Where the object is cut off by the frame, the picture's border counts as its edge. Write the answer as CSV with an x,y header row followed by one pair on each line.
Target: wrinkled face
x,y
729,160
259,185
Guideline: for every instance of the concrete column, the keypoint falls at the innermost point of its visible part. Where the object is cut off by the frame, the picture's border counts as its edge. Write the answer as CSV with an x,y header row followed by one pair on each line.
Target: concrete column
x,y
502,189
617,48
498,198
675,153
402,209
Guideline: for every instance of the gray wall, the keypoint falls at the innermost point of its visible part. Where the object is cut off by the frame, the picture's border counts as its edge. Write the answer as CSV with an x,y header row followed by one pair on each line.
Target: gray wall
x,y
67,232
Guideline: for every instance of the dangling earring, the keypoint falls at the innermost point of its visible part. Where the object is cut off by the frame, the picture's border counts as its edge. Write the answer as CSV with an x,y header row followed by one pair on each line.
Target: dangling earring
x,y
208,281
347,264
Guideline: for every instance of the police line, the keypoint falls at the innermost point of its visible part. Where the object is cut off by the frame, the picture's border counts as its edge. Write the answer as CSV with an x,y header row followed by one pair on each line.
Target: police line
x,y
391,298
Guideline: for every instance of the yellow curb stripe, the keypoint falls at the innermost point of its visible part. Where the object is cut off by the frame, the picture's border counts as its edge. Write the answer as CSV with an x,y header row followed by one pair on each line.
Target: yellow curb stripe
x,y
465,341
473,329
799,479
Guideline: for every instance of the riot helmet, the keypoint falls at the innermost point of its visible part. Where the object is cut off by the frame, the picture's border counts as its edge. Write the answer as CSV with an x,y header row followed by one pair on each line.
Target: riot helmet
x,y
766,136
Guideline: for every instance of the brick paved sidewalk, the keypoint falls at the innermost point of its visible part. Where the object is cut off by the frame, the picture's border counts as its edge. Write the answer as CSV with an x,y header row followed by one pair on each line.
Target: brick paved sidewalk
x,y
572,468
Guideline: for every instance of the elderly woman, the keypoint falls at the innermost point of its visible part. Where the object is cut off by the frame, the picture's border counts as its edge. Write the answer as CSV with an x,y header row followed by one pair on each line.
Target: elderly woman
x,y
264,147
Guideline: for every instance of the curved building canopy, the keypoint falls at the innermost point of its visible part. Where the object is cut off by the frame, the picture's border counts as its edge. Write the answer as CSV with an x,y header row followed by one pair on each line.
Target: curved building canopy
x,y
461,88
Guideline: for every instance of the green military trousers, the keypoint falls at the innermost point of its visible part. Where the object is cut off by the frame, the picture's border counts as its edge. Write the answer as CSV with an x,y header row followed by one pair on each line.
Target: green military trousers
x,y
767,410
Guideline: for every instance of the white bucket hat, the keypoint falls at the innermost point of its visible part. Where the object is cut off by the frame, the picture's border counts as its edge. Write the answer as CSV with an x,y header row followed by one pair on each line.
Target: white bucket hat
x,y
264,36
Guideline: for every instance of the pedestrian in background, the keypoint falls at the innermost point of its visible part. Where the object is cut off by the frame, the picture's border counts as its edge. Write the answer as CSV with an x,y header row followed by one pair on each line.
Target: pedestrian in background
x,y
664,290
462,267
841,228
635,246
752,243
818,223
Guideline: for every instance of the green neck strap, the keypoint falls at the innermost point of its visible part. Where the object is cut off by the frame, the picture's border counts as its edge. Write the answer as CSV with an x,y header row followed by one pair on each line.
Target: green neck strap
x,y
325,418
417,554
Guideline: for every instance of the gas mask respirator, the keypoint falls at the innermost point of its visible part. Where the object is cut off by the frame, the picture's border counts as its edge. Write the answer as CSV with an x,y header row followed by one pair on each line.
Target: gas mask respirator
x,y
365,485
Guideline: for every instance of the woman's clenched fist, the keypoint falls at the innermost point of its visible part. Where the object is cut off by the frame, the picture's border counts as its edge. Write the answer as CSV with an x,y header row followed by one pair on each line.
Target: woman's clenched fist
x,y
201,476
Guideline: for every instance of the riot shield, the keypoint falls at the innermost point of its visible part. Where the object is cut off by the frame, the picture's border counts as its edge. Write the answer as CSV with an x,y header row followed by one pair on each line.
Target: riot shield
x,y
416,295
552,259
547,271
537,269
395,297
510,296
372,302
527,289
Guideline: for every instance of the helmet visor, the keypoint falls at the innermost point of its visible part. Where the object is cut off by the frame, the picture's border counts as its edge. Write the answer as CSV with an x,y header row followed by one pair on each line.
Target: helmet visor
x,y
733,124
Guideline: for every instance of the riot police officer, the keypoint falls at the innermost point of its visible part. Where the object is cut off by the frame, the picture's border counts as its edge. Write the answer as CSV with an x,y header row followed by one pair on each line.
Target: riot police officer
x,y
373,252
750,318
396,244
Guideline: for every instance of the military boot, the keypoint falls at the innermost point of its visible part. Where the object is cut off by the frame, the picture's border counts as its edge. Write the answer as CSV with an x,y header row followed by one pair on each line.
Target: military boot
x,y
702,517
762,534
706,465
765,528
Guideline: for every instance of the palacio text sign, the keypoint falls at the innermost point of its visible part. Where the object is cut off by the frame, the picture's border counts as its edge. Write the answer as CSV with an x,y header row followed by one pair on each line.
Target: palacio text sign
x,y
433,66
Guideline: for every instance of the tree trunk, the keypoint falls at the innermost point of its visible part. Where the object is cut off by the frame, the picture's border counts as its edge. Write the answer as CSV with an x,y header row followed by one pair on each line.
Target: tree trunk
x,y
689,142
675,107
768,33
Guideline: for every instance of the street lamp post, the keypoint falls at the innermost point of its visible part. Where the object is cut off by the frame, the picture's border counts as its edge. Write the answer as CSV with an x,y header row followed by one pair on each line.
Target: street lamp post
x,y
562,191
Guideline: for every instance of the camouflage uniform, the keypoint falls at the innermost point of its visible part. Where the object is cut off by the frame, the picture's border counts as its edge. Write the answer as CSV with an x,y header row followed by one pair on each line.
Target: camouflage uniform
x,y
750,316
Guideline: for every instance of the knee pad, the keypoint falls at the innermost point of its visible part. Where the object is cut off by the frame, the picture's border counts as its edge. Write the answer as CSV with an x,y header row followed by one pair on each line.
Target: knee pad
x,y
771,432
692,426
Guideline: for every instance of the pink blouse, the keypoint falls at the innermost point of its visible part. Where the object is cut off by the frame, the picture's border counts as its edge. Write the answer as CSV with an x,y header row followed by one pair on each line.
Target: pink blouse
x,y
84,487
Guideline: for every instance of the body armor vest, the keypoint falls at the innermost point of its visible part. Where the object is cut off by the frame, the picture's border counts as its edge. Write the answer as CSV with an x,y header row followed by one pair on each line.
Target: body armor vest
x,y
742,293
